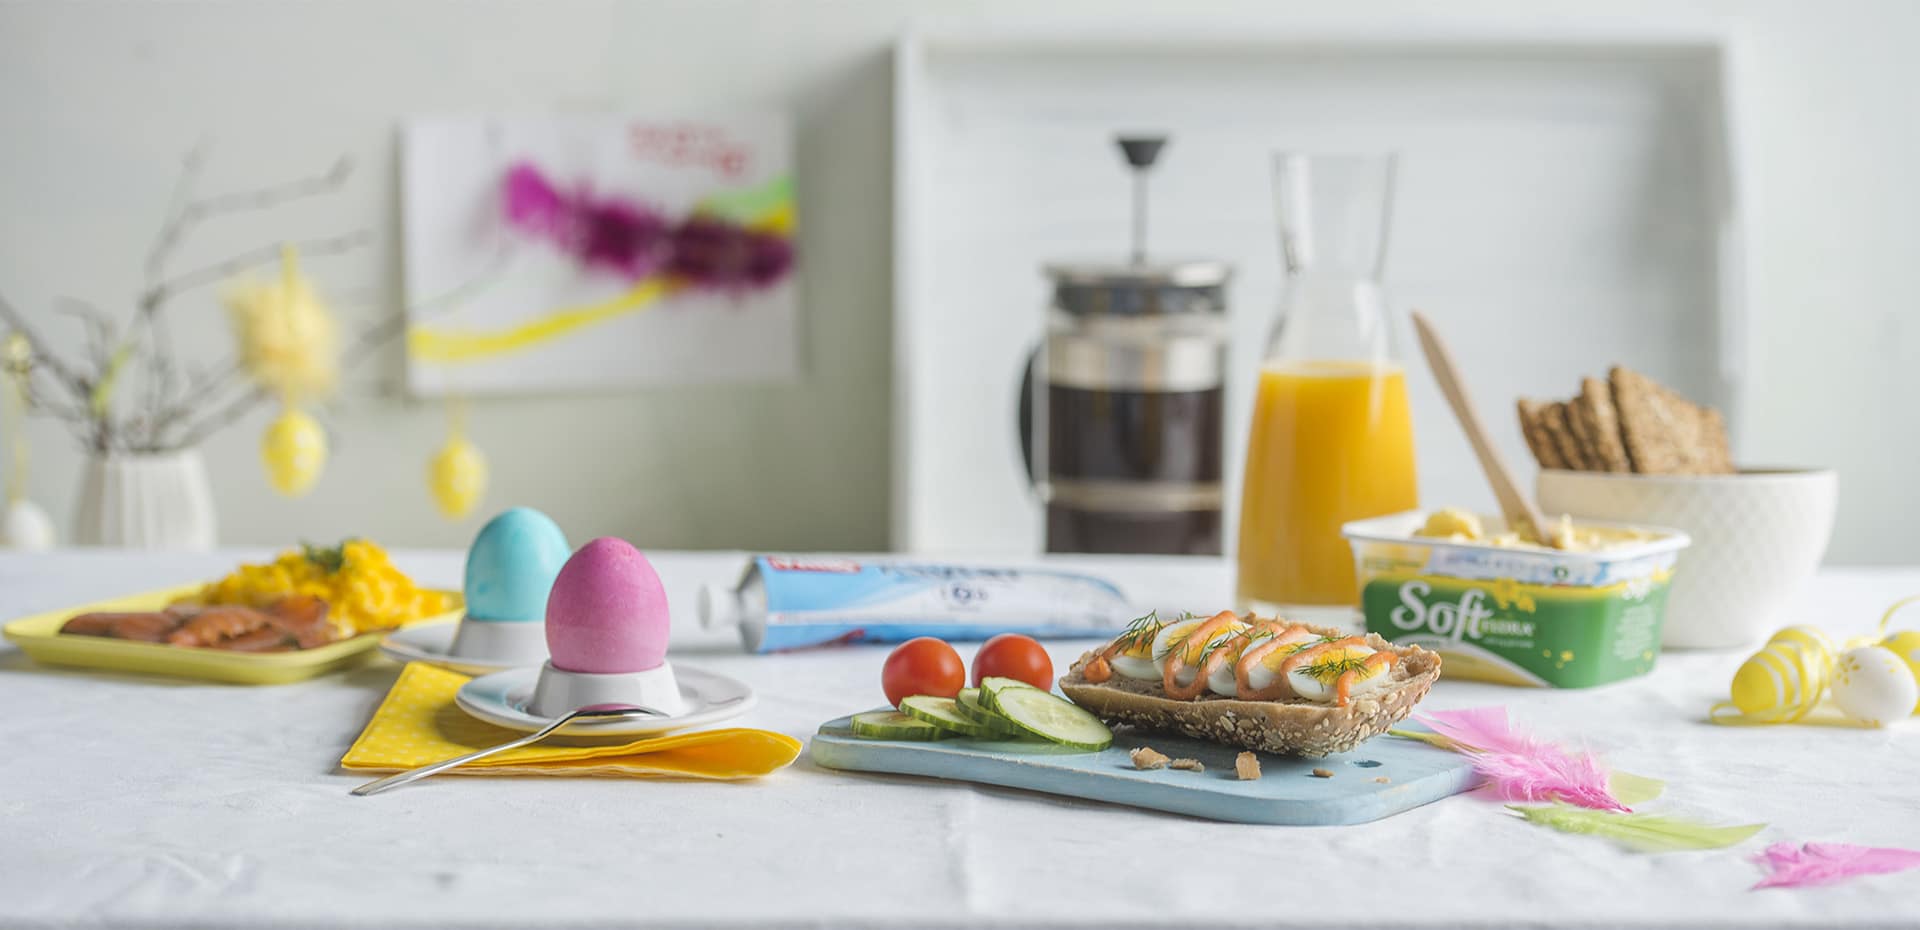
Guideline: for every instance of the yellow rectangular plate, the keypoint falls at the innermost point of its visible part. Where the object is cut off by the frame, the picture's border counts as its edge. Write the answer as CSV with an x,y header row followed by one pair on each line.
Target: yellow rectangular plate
x,y
39,636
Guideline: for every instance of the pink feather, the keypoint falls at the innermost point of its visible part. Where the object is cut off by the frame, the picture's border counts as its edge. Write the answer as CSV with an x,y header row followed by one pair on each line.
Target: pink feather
x,y
1519,767
1825,863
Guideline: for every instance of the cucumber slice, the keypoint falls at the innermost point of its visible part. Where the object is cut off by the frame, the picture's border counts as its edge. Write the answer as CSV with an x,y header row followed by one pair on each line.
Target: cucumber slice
x,y
893,725
968,703
1051,718
942,713
991,685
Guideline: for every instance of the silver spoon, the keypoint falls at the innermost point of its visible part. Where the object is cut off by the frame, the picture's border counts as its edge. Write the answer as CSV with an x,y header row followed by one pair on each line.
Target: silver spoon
x,y
596,712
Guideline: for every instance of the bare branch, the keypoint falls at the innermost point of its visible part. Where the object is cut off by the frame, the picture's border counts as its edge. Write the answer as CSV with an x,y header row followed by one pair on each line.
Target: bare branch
x,y
38,401
221,417
371,337
452,298
165,290
207,379
188,214
175,225
99,327
361,348
41,353
202,390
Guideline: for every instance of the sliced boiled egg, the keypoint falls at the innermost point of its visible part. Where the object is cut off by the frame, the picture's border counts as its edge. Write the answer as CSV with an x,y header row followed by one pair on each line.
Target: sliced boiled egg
x,y
1223,681
1136,661
1178,635
1317,678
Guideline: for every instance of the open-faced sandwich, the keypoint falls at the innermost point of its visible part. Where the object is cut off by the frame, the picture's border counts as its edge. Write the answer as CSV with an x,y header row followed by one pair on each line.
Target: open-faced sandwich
x,y
1263,684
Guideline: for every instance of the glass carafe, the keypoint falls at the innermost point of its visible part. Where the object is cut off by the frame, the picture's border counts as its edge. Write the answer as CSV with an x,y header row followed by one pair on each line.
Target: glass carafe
x,y
1331,439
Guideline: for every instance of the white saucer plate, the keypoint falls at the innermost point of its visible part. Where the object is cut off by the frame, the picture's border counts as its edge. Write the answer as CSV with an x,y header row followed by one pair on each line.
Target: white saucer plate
x,y
502,698
430,643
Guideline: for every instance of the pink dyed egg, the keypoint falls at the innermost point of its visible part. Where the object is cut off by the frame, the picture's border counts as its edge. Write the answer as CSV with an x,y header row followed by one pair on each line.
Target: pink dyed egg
x,y
607,613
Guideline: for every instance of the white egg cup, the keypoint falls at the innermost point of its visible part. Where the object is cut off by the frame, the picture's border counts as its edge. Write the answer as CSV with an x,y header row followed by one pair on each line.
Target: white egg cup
x,y
559,691
517,642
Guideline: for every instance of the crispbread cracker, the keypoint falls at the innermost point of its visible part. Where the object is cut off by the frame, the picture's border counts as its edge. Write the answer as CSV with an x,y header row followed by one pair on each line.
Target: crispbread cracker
x,y
1664,433
1719,460
1560,429
1596,422
1534,428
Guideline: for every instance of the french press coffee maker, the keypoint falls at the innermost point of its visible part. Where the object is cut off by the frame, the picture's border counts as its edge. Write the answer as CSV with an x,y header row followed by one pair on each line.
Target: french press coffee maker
x,y
1121,410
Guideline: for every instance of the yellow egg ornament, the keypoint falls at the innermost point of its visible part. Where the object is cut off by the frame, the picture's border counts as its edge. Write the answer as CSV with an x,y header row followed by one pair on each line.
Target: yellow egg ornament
x,y
1874,686
1818,645
1779,684
294,450
457,477
1906,645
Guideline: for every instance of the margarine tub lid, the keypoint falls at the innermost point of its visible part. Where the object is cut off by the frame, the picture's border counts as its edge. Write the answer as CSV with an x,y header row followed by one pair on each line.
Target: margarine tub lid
x,y
1654,551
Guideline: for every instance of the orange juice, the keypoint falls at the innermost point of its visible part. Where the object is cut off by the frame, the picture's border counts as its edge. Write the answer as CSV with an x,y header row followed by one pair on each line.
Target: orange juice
x,y
1332,441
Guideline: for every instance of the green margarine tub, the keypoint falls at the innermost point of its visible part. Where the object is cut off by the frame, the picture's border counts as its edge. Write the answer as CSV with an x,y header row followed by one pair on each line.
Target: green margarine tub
x,y
1502,611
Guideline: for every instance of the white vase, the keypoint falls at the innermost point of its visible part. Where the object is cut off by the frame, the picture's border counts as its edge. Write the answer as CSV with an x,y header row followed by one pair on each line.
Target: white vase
x,y
157,501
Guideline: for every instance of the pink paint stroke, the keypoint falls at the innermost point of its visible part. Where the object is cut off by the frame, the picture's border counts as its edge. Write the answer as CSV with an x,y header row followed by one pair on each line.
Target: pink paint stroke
x,y
612,235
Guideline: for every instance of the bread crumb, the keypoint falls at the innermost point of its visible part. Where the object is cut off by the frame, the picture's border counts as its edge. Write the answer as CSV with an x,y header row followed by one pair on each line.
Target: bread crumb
x,y
1247,766
1191,765
1145,758
1384,780
1323,773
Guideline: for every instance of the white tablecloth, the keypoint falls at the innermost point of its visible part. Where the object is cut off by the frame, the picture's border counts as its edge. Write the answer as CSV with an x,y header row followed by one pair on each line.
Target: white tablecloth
x,y
147,802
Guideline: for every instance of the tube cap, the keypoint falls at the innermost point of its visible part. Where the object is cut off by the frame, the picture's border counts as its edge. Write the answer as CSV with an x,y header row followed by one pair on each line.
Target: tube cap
x,y
718,607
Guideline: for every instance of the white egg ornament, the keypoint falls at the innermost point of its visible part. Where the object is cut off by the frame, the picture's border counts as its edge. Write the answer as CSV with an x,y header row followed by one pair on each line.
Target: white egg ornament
x,y
26,527
1874,686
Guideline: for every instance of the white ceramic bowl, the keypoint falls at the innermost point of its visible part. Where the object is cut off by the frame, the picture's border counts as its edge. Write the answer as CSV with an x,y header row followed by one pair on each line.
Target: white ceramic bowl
x,y
1757,538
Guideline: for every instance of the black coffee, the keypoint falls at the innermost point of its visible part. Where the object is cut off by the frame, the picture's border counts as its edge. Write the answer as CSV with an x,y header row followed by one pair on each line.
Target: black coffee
x,y
1169,438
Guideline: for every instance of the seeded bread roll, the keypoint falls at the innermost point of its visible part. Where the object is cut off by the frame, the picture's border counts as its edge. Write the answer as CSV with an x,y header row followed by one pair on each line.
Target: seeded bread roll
x,y
1298,727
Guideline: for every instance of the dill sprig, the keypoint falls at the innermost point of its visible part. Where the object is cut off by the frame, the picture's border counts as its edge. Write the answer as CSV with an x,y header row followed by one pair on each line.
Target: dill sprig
x,y
1333,667
1142,629
1185,616
330,558
1239,642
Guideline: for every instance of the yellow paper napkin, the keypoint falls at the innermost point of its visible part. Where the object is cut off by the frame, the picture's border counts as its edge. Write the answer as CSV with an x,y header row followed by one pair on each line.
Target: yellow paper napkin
x,y
418,724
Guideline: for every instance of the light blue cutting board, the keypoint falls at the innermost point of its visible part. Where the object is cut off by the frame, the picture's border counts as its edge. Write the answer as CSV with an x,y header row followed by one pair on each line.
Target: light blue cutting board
x,y
1286,793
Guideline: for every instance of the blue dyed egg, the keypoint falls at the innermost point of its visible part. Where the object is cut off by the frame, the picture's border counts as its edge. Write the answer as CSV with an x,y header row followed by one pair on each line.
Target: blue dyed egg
x,y
512,565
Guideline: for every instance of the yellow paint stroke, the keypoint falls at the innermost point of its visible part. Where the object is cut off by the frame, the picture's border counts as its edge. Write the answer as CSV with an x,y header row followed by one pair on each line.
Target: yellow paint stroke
x,y
446,346
778,221
452,346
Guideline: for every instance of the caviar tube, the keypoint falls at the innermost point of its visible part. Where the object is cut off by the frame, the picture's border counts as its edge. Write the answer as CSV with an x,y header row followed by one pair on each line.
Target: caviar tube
x,y
794,603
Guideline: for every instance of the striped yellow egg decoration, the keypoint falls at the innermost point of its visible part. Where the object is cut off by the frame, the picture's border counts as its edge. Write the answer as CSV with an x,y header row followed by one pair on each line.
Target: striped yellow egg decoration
x,y
1789,677
1781,683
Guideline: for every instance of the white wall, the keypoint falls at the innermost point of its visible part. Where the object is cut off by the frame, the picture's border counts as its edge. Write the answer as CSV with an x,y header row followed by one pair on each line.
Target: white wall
x,y
97,101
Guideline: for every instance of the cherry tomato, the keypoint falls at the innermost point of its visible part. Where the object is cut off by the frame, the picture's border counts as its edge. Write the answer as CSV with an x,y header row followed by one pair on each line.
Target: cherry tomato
x,y
922,666
1011,655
